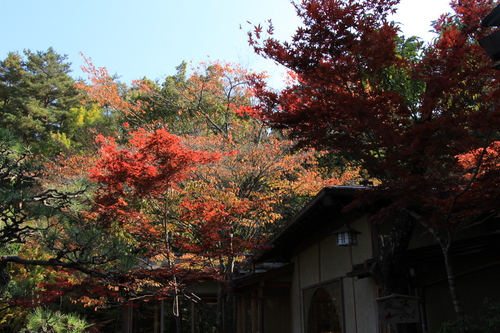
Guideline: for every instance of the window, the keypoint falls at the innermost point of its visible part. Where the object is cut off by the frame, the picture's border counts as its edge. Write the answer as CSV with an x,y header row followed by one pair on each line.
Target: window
x,y
323,306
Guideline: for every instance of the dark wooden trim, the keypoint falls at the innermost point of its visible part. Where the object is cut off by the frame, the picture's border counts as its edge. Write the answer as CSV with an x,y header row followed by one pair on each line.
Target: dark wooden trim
x,y
256,278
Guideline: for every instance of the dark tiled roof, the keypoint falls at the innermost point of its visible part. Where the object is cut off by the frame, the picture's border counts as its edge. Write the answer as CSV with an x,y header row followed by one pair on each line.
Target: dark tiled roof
x,y
321,210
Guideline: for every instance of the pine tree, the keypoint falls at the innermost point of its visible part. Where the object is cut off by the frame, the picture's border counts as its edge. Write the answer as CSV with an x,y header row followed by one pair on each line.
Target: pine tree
x,y
36,94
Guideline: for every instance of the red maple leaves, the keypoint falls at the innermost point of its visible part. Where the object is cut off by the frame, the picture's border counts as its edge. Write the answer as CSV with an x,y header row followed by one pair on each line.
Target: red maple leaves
x,y
151,165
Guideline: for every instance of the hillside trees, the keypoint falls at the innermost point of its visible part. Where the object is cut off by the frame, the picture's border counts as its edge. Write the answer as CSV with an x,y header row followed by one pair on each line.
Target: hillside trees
x,y
220,209
425,125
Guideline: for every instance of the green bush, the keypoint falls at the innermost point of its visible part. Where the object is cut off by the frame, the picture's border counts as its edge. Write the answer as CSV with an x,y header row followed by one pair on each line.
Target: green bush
x,y
46,321
487,322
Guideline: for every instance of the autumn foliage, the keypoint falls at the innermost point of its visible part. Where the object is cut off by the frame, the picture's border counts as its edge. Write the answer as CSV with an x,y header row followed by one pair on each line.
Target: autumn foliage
x,y
190,175
153,164
183,186
422,120
194,181
409,115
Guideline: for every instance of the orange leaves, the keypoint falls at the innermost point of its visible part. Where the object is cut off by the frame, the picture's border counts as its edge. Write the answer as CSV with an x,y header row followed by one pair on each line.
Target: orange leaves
x,y
232,204
265,169
209,195
243,110
105,91
68,170
481,163
89,293
214,228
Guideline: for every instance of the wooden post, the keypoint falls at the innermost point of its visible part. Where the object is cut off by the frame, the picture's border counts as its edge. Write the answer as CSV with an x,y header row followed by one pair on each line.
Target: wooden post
x,y
127,320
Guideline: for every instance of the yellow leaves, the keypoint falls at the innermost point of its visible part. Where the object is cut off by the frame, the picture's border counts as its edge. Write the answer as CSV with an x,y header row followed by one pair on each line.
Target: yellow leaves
x,y
7,318
89,302
265,170
61,138
78,117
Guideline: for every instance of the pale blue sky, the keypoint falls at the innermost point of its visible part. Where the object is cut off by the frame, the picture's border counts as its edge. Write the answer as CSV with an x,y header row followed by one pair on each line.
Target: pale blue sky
x,y
136,38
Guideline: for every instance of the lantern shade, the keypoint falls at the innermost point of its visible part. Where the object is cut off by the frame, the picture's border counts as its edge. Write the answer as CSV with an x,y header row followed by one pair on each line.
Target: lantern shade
x,y
346,236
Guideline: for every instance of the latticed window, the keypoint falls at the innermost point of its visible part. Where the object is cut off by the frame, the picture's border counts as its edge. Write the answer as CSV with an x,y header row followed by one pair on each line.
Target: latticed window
x,y
324,311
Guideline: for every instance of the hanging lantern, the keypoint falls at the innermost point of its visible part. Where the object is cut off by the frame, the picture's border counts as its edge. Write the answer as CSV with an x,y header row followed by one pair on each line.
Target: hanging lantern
x,y
346,236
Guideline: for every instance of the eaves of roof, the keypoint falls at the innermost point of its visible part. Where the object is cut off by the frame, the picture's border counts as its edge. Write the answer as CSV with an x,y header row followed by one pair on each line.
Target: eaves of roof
x,y
324,207
250,279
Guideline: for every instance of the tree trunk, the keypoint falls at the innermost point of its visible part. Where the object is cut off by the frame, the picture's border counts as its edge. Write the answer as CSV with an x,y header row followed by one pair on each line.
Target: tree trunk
x,y
390,270
218,315
457,303
176,312
4,278
229,308
445,245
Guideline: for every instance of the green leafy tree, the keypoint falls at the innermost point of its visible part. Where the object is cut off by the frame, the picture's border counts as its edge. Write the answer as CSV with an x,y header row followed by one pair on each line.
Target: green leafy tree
x,y
36,94
42,224
82,125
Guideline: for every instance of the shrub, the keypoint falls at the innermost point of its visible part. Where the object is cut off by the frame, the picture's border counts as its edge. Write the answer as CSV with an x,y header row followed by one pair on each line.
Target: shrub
x,y
45,321
487,322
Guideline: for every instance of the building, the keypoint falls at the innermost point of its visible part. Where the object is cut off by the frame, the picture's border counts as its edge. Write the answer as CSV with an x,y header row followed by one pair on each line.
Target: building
x,y
306,282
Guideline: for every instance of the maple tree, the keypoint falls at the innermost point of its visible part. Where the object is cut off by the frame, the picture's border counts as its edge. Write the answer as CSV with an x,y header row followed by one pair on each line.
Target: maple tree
x,y
244,196
422,120
139,188
226,207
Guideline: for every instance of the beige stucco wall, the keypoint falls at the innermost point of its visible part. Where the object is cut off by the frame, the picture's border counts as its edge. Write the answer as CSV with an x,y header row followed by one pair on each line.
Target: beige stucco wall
x,y
323,262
